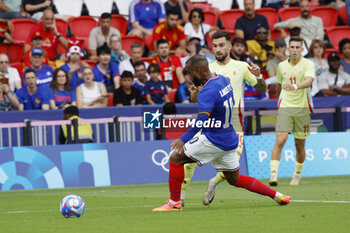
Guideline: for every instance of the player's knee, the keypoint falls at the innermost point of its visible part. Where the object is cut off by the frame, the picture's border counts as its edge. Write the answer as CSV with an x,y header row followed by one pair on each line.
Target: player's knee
x,y
280,141
232,177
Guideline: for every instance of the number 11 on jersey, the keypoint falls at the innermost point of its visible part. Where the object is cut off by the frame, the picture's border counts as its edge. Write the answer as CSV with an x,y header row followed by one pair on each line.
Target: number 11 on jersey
x,y
228,104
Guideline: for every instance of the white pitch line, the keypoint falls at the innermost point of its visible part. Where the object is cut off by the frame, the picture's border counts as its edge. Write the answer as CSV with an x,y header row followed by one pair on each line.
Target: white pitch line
x,y
316,201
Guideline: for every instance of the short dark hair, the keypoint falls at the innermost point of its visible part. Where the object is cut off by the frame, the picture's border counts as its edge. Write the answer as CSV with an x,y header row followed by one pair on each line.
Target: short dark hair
x,y
29,71
104,49
136,45
297,39
219,34
153,67
72,110
239,40
199,11
106,15
343,42
169,108
162,41
171,11
126,74
139,63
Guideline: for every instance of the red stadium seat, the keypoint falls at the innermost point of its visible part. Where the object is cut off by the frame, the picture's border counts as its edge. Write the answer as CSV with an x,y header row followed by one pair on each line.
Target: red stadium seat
x,y
289,12
328,14
15,52
120,23
171,95
110,100
3,48
19,66
329,51
63,25
130,39
343,14
270,14
22,28
149,42
229,18
210,18
336,34
81,26
275,34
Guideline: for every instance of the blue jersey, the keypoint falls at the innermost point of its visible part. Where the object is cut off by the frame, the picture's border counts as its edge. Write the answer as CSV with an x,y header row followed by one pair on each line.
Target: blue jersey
x,y
250,93
44,76
32,102
62,97
77,76
141,86
147,15
107,78
157,90
216,98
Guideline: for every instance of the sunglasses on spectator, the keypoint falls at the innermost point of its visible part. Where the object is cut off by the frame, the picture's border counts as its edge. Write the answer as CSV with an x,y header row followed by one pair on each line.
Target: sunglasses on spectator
x,y
261,31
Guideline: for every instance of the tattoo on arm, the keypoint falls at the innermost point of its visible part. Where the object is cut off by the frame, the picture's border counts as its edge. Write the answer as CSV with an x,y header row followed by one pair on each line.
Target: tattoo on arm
x,y
261,86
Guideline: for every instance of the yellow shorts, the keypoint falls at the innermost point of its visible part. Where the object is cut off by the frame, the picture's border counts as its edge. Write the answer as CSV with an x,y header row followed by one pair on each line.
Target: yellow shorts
x,y
298,125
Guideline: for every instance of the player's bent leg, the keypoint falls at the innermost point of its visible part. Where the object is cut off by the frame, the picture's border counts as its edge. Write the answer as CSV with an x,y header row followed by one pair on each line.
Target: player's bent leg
x,y
189,170
281,138
176,177
254,185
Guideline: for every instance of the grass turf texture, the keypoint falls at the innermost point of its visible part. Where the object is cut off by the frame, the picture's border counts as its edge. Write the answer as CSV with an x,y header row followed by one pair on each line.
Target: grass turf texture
x,y
128,208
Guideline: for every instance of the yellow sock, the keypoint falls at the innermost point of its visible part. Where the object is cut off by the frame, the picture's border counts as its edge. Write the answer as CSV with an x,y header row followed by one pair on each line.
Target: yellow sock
x,y
274,166
188,169
219,177
298,168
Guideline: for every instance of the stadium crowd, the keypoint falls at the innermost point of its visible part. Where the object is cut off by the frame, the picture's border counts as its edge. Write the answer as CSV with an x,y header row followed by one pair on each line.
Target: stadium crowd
x,y
55,67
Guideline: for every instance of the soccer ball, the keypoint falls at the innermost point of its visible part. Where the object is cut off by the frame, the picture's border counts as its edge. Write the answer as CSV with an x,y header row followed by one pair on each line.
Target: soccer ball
x,y
72,206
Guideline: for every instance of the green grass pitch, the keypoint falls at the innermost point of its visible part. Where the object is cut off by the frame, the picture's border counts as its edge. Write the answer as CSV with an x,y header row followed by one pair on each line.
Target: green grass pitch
x,y
128,208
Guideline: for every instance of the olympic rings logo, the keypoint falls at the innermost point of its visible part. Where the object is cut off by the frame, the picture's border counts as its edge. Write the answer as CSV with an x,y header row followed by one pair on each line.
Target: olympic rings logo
x,y
163,162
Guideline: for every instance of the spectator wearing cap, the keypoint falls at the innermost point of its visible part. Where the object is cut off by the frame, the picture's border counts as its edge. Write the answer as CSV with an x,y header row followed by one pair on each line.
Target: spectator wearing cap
x,y
101,34
10,74
311,26
43,72
294,29
193,47
74,67
117,53
260,47
246,25
344,48
51,34
334,81
172,32
144,15
31,96
271,67
106,71
280,55
36,42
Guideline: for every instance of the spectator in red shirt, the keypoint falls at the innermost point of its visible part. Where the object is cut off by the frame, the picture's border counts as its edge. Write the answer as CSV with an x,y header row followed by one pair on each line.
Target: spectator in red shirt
x,y
37,42
51,35
172,31
170,65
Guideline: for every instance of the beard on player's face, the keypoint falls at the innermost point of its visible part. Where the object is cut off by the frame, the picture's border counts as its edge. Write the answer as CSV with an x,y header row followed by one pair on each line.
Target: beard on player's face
x,y
221,58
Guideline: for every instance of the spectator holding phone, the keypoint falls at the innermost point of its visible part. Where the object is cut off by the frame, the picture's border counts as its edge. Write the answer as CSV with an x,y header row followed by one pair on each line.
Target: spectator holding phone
x,y
91,94
61,94
8,100
10,73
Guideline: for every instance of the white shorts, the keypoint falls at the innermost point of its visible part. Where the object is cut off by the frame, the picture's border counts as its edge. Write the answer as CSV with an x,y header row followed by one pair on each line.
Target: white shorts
x,y
201,150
